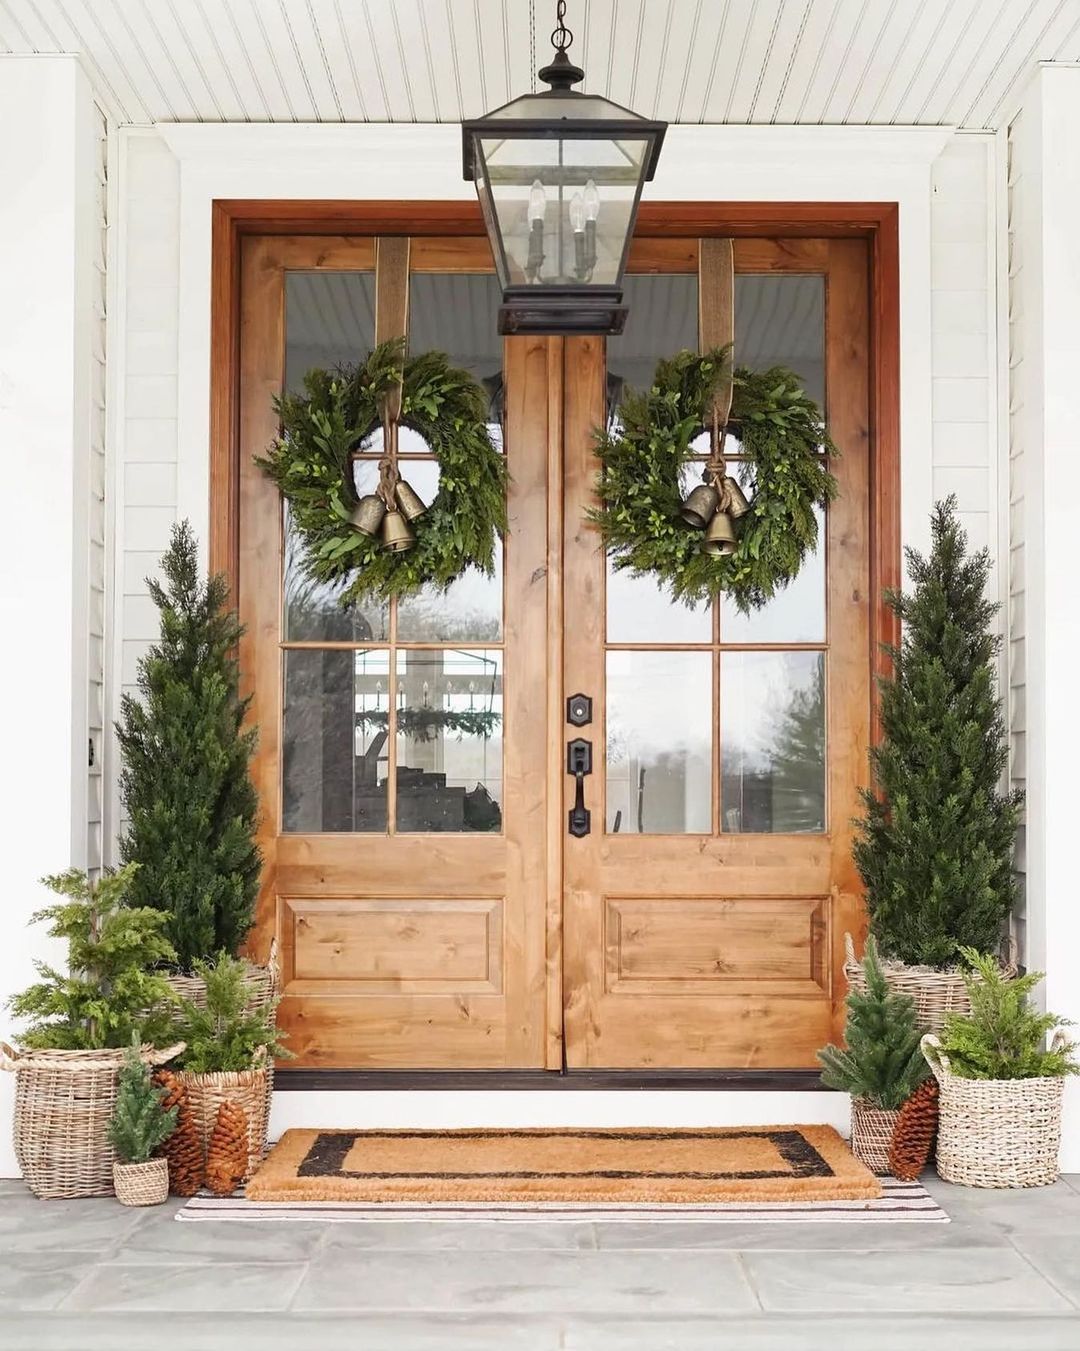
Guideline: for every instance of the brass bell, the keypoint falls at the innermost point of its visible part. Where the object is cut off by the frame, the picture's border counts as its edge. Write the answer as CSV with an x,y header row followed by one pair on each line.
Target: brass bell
x,y
397,533
410,503
720,536
739,503
368,514
700,506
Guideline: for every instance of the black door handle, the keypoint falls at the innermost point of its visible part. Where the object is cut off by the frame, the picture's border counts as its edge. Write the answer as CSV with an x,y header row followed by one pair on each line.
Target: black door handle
x,y
579,763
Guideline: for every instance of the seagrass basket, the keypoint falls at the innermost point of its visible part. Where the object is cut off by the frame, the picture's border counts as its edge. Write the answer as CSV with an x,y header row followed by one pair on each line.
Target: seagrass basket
x,y
871,1133
996,1132
262,983
936,993
247,1088
141,1184
63,1102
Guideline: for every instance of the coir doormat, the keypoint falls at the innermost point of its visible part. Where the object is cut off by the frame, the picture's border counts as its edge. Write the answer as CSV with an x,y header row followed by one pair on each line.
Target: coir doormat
x,y
568,1164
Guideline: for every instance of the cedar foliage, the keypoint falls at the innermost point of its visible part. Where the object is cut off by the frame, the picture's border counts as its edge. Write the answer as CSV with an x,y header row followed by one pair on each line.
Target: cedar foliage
x,y
1004,1036
227,1034
935,845
883,1061
227,1150
109,994
140,1122
185,782
184,1148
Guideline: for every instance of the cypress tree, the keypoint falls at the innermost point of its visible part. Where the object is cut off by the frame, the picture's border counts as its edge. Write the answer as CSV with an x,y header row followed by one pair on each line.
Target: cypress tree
x,y
185,782
935,846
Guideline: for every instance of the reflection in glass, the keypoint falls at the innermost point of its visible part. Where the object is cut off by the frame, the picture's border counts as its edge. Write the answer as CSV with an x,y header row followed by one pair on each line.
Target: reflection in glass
x,y
659,743
313,609
470,609
329,320
663,318
772,742
780,321
334,742
450,740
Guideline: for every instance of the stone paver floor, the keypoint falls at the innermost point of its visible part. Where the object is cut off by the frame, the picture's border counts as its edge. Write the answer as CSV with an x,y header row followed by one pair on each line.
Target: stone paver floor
x,y
84,1275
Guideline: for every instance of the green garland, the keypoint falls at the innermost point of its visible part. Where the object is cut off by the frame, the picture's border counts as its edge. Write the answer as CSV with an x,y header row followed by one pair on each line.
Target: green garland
x,y
643,455
424,724
311,464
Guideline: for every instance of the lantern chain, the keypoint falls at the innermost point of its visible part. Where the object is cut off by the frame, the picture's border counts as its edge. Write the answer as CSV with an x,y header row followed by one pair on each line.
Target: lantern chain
x,y
561,36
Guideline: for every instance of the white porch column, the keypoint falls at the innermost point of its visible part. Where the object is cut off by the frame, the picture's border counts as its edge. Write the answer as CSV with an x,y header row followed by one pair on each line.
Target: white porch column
x,y
1046,233
46,274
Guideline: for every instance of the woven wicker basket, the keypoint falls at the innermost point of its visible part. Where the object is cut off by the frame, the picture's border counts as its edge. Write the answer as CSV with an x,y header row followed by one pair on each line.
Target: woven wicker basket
x,y
263,984
936,993
247,1088
141,1184
63,1102
996,1132
871,1133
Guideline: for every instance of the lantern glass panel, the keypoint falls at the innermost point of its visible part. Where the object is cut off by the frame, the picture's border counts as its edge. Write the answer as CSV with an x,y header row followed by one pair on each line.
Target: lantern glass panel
x,y
563,206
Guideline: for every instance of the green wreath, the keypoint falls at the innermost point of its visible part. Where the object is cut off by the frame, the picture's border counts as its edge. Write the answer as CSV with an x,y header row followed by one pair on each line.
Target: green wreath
x,y
312,462
642,457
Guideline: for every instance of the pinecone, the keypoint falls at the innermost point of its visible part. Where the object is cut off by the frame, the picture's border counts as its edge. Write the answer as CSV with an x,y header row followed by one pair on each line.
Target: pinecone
x,y
227,1152
913,1138
183,1149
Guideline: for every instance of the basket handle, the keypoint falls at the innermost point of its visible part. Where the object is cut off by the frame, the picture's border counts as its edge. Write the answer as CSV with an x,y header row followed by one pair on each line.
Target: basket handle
x,y
272,962
849,950
935,1057
151,1055
9,1059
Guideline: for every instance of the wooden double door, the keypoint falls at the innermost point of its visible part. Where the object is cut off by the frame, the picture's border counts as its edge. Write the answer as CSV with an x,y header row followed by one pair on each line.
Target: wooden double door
x,y
431,906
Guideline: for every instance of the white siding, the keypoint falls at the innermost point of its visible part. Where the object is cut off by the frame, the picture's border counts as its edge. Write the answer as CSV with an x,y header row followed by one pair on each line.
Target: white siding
x,y
96,525
1019,450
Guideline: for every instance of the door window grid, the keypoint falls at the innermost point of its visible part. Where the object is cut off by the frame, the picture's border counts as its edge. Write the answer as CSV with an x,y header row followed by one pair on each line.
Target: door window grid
x,y
414,727
806,712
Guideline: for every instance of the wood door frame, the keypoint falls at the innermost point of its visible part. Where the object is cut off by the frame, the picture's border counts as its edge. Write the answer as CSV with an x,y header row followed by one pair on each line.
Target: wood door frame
x,y
878,222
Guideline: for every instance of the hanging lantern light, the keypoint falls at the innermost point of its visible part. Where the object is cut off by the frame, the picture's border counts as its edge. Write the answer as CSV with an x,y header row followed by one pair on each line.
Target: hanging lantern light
x,y
559,177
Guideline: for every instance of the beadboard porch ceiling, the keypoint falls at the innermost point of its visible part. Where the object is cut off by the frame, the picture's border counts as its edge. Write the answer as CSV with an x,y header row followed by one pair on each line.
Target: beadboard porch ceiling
x,y
947,62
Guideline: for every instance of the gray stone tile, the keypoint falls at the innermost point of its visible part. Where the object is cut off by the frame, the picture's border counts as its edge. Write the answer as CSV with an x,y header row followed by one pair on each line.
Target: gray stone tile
x,y
93,1224
978,1280
1054,1209
1057,1258
13,1186
129,1332
969,1232
536,1282
1071,1180
810,1333
229,1287
218,1241
462,1236
39,1280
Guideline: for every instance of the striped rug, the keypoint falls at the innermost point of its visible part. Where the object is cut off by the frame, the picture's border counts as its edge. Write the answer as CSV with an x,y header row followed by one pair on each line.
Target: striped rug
x,y
899,1203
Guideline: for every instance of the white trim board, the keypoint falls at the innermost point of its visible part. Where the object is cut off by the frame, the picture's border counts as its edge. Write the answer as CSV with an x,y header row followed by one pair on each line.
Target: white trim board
x,y
378,162
424,1108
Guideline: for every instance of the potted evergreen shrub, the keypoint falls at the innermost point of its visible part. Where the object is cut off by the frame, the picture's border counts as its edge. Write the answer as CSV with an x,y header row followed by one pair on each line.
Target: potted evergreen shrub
x,y
79,1023
881,1065
1001,1088
185,782
140,1124
935,846
229,1047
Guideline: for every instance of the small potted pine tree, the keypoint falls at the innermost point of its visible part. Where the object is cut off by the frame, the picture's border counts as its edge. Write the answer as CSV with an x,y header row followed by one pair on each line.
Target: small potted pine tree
x,y
935,846
140,1124
78,1024
1001,1087
881,1065
185,781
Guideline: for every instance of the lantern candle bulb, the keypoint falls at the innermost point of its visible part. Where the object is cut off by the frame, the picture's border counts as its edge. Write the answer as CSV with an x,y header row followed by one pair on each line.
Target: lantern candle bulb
x,y
591,202
537,212
578,222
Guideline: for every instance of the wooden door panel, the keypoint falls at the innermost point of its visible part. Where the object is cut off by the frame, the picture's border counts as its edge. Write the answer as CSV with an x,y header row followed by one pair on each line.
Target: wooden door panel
x,y
722,949
399,950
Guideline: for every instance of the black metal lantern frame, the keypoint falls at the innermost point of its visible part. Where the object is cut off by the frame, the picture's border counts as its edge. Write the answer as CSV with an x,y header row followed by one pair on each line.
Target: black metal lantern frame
x,y
561,271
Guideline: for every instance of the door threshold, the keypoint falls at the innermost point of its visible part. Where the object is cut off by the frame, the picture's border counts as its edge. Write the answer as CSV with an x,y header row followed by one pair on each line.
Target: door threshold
x,y
591,1080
